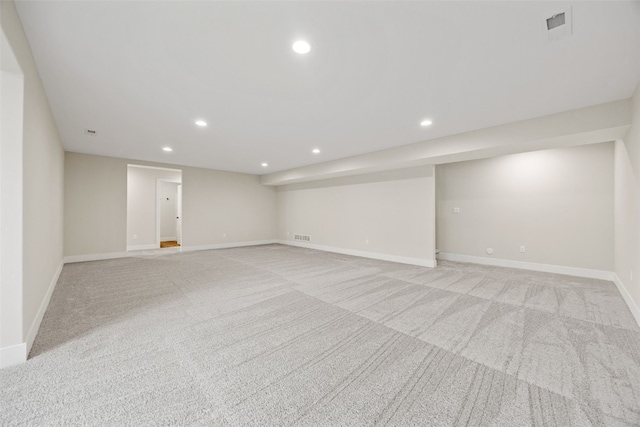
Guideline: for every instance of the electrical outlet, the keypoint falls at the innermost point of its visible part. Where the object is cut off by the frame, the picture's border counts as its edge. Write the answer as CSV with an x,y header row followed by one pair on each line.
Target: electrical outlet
x,y
631,275
135,237
366,241
456,210
522,249
224,234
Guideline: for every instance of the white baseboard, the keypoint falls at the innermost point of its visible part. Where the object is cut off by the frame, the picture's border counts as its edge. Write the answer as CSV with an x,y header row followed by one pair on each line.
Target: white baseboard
x,y
35,326
627,298
17,354
546,268
13,355
143,247
227,245
94,257
373,255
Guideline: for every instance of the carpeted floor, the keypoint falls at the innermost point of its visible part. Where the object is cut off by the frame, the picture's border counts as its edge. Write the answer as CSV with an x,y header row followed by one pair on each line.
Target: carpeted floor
x,y
276,335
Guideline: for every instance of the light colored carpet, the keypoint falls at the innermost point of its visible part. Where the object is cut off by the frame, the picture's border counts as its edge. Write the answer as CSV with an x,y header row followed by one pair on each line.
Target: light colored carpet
x,y
276,335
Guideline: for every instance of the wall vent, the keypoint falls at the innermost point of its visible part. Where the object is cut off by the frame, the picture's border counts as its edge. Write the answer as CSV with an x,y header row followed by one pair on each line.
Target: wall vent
x,y
302,237
558,26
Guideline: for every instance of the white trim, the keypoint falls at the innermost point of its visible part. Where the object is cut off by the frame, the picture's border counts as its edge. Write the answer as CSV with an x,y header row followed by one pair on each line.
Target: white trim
x,y
227,245
179,213
635,311
13,355
546,268
153,167
433,229
373,255
94,257
143,247
168,239
35,326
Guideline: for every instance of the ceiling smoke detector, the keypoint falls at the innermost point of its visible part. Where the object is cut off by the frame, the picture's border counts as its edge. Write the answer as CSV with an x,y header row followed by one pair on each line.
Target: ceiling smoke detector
x,y
558,26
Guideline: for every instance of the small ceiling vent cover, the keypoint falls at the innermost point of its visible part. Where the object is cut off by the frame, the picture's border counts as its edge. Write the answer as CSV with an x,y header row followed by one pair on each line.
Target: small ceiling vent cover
x,y
558,26
555,21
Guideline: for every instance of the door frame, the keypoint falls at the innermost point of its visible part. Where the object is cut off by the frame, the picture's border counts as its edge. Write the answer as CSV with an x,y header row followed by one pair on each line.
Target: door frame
x,y
158,212
179,213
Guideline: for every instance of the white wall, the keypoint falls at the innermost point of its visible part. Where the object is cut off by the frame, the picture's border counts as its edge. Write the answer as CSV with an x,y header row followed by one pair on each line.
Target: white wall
x,y
168,211
627,210
42,174
393,211
213,203
142,204
589,125
557,203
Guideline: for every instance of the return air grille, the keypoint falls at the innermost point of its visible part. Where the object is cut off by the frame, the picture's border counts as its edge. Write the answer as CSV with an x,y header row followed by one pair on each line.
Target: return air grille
x,y
302,237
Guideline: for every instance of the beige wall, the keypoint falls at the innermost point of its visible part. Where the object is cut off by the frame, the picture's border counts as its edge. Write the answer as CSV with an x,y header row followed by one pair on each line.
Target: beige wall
x,y
43,163
393,210
557,203
213,203
234,204
142,204
627,207
95,204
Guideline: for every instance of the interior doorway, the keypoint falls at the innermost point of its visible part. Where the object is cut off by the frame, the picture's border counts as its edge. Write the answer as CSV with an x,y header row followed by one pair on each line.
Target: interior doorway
x,y
169,213
154,207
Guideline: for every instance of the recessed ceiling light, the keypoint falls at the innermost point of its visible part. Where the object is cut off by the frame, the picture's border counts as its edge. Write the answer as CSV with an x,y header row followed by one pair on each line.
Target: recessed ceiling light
x,y
426,123
201,123
264,165
301,47
316,151
168,149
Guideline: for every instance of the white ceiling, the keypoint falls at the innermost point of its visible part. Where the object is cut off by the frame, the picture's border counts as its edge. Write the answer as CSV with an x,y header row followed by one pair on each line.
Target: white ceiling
x,y
140,73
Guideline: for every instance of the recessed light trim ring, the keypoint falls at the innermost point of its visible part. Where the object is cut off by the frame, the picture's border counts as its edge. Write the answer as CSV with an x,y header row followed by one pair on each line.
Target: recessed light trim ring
x,y
302,47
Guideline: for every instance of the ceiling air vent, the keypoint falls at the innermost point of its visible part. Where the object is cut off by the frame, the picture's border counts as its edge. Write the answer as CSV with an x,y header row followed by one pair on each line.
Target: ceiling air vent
x,y
90,132
558,26
555,21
